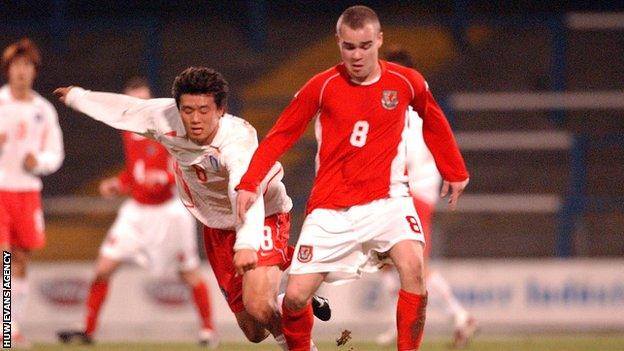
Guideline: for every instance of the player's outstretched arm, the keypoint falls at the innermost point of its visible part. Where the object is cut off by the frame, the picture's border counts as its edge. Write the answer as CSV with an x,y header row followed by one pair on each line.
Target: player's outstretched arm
x,y
456,188
235,156
117,110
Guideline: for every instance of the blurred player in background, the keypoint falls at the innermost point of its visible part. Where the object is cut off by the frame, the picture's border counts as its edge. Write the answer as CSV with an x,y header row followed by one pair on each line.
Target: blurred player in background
x,y
152,229
212,150
31,146
424,185
359,206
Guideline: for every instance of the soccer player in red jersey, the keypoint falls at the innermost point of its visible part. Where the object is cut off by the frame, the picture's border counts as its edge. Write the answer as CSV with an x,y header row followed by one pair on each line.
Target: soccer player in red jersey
x,y
31,146
152,228
424,185
360,207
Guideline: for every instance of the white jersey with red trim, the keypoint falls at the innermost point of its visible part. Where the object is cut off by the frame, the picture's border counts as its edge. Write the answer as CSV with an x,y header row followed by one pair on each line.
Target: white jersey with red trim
x,y
206,175
424,178
28,127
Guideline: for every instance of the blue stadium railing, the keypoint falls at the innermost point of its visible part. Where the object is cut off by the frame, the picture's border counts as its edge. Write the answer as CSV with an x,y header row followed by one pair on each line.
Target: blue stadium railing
x,y
576,202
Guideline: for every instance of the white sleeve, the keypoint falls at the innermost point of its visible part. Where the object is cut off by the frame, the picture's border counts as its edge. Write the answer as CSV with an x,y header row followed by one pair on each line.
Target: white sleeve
x,y
51,155
424,178
117,110
236,156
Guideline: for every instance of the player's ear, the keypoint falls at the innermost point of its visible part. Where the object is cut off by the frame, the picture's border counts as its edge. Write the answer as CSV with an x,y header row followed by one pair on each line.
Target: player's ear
x,y
379,39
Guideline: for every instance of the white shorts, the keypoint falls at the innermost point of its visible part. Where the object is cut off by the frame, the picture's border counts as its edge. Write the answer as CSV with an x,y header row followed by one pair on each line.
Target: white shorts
x,y
161,238
346,242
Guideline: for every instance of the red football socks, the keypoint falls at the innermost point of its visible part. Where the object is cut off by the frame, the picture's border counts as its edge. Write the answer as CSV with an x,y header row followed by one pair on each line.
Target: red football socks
x,y
410,320
297,327
97,295
202,301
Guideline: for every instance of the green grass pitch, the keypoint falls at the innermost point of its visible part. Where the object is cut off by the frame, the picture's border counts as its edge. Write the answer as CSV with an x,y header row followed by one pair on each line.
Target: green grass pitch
x,y
528,343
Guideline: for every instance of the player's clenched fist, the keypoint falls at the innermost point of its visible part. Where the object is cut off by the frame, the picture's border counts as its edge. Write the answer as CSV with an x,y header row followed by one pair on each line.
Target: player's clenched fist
x,y
245,260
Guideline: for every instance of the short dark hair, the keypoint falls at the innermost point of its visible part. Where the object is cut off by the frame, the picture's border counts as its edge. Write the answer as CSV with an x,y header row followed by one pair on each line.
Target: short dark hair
x,y
201,80
400,56
136,82
23,48
356,17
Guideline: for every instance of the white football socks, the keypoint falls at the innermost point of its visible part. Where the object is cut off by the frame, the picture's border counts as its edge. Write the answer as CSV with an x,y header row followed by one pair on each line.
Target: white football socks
x,y
436,284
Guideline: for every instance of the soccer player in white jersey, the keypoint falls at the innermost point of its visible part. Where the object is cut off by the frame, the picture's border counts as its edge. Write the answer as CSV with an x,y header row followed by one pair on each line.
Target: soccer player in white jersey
x,y
31,146
359,205
212,150
424,185
152,229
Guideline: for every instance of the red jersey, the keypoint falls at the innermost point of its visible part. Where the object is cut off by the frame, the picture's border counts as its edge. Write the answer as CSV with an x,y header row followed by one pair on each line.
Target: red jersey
x,y
361,135
148,174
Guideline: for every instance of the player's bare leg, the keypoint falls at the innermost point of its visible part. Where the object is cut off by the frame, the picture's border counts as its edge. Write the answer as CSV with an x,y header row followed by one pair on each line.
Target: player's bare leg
x,y
407,257
261,315
253,331
297,318
260,287
320,305
20,289
199,290
105,267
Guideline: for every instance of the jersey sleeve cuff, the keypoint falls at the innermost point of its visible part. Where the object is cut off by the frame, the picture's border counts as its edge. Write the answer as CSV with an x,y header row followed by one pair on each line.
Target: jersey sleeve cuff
x,y
243,246
456,177
74,94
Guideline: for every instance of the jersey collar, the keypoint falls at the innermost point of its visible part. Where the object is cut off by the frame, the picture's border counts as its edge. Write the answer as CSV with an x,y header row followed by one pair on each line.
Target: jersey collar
x,y
221,133
382,70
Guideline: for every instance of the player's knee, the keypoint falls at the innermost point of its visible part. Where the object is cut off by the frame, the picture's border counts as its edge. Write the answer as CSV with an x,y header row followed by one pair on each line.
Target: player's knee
x,y
257,338
295,301
413,267
255,334
260,310
412,272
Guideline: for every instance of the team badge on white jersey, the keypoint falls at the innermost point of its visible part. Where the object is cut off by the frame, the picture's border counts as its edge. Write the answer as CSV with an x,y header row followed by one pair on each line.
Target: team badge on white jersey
x,y
390,99
214,162
305,253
